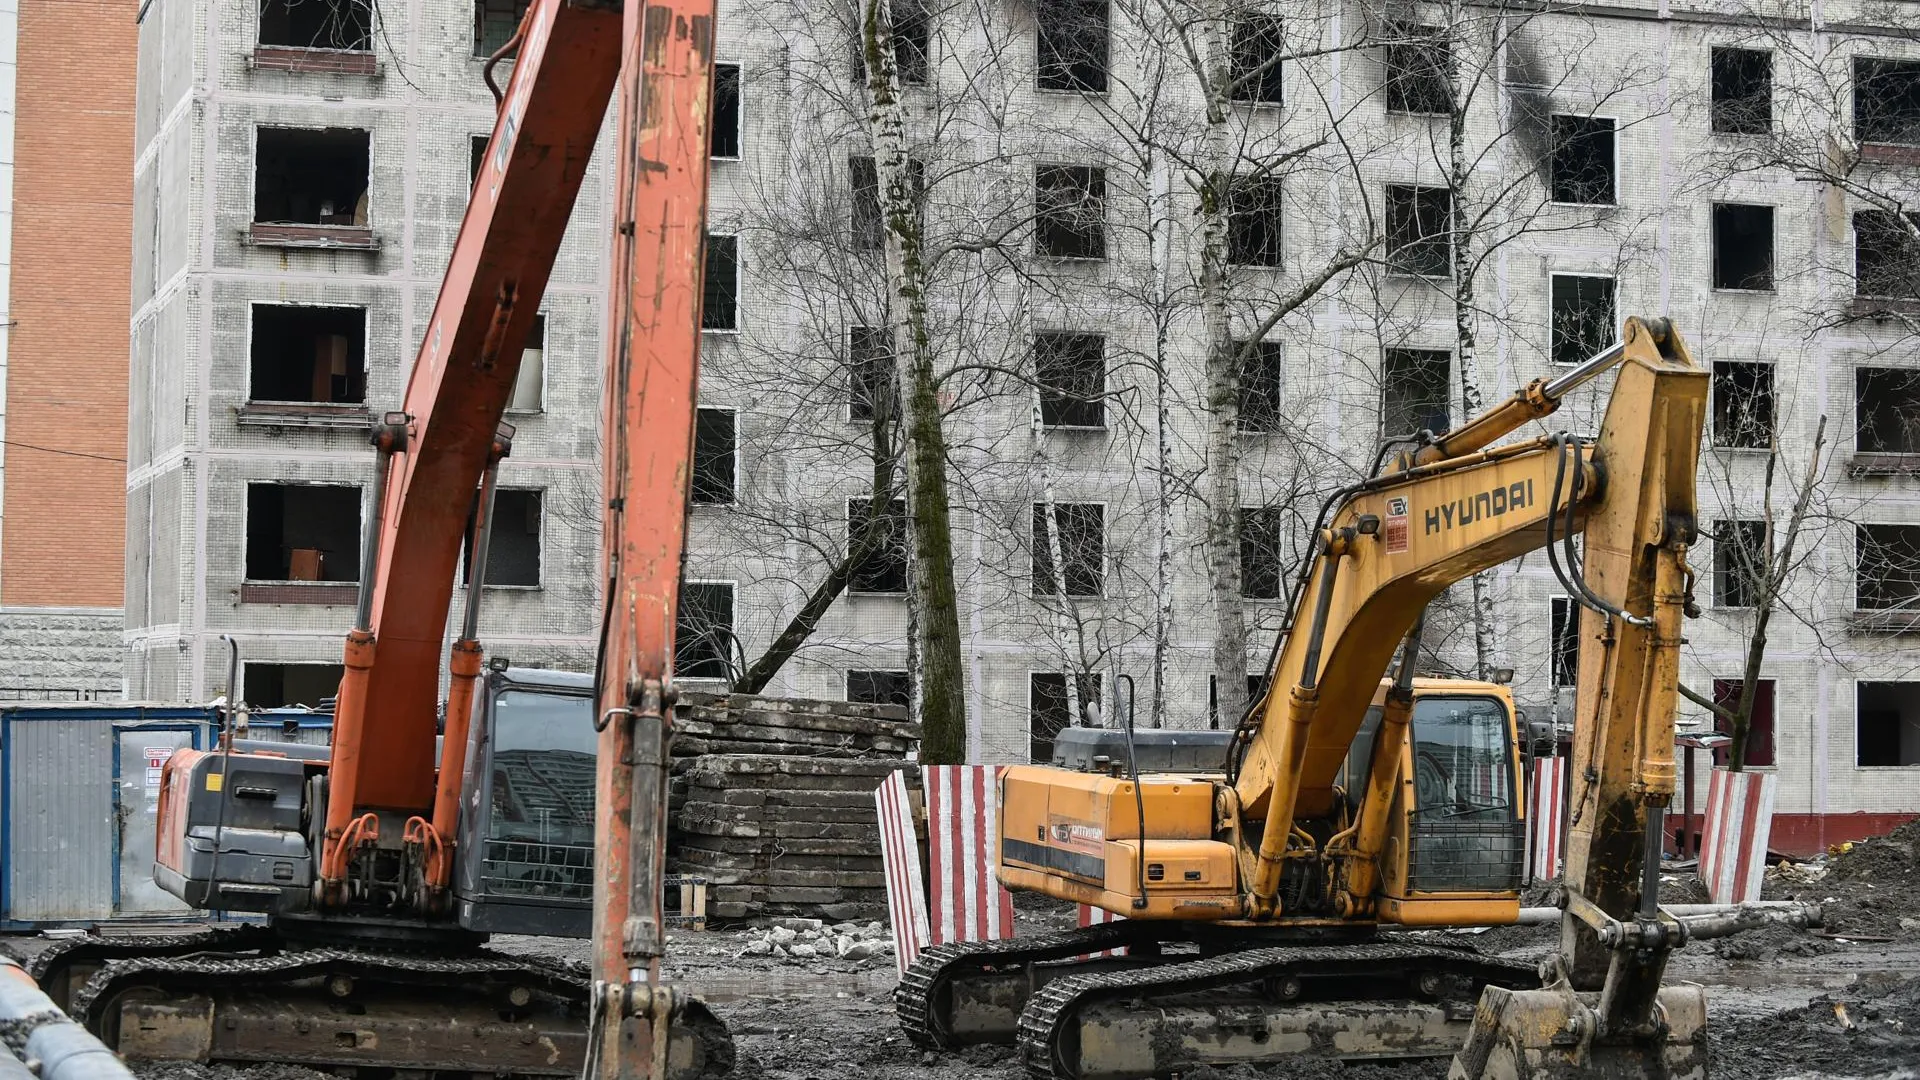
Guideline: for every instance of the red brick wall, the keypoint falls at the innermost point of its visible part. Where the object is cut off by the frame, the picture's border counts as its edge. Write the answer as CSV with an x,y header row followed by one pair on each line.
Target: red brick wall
x,y
65,516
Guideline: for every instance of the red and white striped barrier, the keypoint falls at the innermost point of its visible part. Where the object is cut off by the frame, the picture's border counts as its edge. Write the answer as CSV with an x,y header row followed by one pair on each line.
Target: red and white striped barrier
x,y
1096,916
900,858
1733,845
967,902
1546,829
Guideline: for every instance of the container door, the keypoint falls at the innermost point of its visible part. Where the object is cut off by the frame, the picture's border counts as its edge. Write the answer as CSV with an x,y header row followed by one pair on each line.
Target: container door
x,y
143,751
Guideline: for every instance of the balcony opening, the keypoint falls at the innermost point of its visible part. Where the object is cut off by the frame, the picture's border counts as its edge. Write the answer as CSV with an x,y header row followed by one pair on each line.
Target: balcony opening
x,y
1261,538
1049,711
1886,101
303,532
723,130
1414,392
869,225
1760,751
1070,212
1419,234
1257,47
1742,247
715,452
1887,724
912,44
1886,410
317,24
1072,372
1081,531
308,354
1742,404
1581,169
1742,91
884,568
720,286
1740,562
1886,254
879,688
513,546
530,382
1419,72
306,176
290,686
495,22
1253,221
1582,318
703,644
1260,373
872,383
1073,45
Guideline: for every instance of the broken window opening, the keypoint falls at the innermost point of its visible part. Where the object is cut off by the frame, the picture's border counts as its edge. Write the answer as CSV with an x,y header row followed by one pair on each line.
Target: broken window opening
x,y
529,383
1419,230
1073,45
1726,694
308,354
1582,318
1081,528
1742,247
1886,407
290,686
1414,392
1886,255
1253,221
1886,101
1071,370
884,570
872,382
303,532
1419,77
495,22
1742,91
715,449
1259,385
1070,219
723,127
720,286
1887,724
304,176
703,637
1213,697
1740,563
317,24
1581,169
879,688
1048,712
1564,662
912,26
1742,404
1261,537
869,228
476,157
513,544
1888,577
1255,53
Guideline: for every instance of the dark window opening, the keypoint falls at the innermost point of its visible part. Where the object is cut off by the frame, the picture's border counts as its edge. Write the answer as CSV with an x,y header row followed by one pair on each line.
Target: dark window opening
x,y
1889,567
723,128
879,688
703,642
1253,221
317,24
1581,168
720,287
1259,385
1419,234
1564,661
1726,694
1742,404
869,222
1072,372
1419,72
513,544
1742,246
1887,724
1081,532
303,532
1886,101
1742,91
1260,540
1886,410
311,177
1070,219
912,44
1213,697
290,686
1073,45
1414,391
1886,254
495,22
529,383
872,383
883,569
1740,563
714,451
1583,323
476,157
308,354
1049,712
1256,50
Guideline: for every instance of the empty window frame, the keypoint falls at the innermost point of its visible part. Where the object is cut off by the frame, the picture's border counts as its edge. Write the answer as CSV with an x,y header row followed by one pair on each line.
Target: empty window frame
x,y
495,22
1563,663
723,128
1886,254
476,157
1419,232
1049,711
1071,370
1742,247
1260,373
1072,43
306,176
879,688
303,532
308,354
1726,694
1070,212
1260,539
1419,71
1886,410
1740,560
715,456
703,636
1255,51
1887,724
1888,567
1213,697
1081,529
513,544
286,686
1742,91
1742,404
882,566
317,24
720,286
912,28
1582,322
869,226
1414,391
871,379
1886,101
1581,167
1253,221
530,382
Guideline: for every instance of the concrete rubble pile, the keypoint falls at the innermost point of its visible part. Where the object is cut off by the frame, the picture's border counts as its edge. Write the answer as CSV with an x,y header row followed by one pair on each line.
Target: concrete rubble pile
x,y
772,803
800,940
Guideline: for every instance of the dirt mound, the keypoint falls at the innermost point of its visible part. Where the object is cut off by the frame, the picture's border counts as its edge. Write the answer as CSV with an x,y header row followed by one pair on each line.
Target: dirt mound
x,y
1869,888
1770,942
1865,1031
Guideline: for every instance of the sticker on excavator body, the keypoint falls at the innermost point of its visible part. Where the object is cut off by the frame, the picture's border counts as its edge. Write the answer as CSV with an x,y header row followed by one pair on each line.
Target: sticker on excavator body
x,y
1398,531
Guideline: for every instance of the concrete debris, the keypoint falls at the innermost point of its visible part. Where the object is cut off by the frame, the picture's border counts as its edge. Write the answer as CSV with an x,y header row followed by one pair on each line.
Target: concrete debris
x,y
797,940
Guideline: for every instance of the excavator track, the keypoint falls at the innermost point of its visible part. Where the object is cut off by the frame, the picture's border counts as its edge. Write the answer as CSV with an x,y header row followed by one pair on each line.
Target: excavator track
x,y
924,1000
65,967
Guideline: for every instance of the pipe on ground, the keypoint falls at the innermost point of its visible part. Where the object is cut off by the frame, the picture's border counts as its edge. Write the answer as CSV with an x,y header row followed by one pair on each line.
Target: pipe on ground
x,y
34,1029
1711,920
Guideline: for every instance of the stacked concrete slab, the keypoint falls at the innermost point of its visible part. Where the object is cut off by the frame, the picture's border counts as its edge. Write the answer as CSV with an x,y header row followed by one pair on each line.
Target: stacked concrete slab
x,y
772,803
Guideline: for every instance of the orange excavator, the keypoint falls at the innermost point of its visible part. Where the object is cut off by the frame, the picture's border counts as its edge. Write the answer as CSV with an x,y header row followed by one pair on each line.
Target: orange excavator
x,y
382,865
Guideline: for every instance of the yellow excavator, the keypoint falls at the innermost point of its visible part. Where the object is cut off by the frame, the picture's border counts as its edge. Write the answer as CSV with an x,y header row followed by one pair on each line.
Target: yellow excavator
x,y
1355,798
